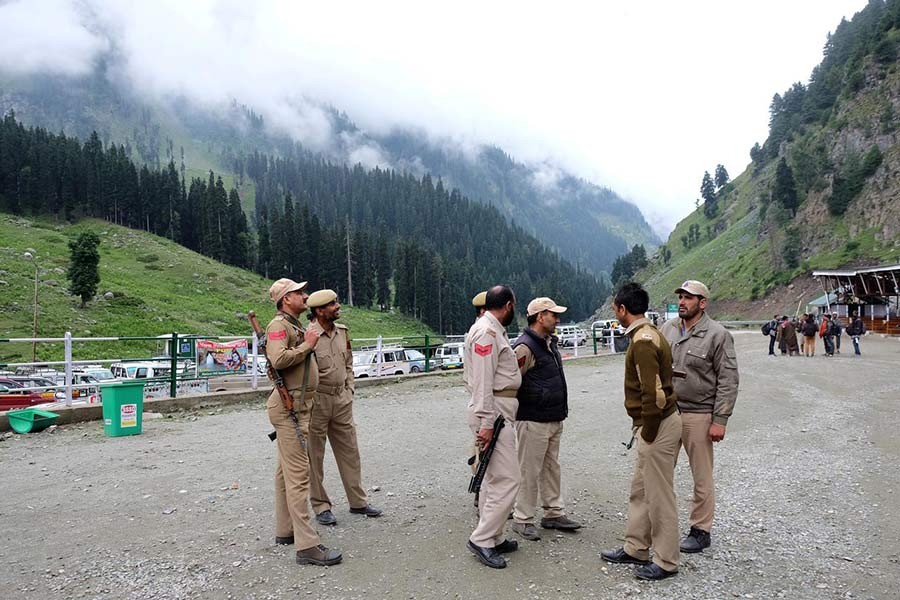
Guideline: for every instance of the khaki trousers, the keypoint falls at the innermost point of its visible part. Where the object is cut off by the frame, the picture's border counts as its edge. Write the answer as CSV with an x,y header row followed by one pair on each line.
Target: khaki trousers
x,y
695,438
332,418
538,452
500,484
652,512
292,472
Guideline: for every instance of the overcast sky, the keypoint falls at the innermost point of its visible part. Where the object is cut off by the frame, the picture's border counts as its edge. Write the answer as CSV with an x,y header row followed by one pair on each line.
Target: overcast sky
x,y
642,97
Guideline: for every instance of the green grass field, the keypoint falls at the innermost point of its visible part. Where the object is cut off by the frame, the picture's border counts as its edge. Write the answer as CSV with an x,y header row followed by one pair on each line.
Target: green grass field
x,y
159,287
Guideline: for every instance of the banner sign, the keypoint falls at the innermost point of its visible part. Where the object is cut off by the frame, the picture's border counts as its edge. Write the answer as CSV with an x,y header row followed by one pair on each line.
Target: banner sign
x,y
222,357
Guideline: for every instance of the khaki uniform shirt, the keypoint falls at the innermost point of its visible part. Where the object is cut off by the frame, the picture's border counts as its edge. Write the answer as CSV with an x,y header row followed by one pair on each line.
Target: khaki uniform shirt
x,y
287,352
335,358
490,366
705,353
649,394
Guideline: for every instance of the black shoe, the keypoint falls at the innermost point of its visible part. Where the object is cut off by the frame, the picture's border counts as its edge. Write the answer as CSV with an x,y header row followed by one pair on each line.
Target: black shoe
x,y
319,555
507,546
695,541
620,557
368,510
326,517
652,572
284,541
488,556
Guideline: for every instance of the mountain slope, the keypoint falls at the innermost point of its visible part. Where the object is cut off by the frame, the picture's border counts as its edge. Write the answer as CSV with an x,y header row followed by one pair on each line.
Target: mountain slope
x,y
821,191
158,287
588,224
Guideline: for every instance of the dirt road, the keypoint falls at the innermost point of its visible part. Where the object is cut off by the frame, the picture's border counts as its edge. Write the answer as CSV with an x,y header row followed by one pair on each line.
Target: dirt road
x,y
808,485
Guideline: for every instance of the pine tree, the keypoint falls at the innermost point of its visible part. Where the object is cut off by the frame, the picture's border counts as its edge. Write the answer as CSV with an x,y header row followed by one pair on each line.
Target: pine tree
x,y
785,190
84,261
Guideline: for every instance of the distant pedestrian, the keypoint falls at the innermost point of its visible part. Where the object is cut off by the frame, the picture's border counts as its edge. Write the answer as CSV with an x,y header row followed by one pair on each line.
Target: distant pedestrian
x,y
809,329
838,329
773,333
856,330
827,335
650,402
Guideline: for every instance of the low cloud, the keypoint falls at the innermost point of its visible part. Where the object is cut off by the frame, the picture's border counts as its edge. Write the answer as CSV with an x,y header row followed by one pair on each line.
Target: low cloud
x,y
52,36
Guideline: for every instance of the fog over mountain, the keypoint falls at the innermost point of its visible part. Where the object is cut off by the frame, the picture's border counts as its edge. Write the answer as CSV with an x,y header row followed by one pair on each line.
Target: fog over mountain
x,y
587,90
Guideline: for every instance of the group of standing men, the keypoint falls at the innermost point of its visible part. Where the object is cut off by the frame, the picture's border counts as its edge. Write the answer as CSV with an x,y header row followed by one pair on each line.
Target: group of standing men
x,y
524,383
315,365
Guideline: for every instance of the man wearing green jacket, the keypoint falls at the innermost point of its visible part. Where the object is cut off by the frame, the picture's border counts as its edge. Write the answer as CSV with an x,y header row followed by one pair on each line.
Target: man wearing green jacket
x,y
656,425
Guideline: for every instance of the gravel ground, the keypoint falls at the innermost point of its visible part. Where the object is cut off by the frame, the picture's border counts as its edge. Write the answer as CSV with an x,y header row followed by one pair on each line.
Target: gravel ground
x,y
807,487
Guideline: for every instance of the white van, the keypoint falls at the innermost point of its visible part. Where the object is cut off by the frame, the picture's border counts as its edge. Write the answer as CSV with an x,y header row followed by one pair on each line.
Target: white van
x,y
450,355
393,362
139,370
571,335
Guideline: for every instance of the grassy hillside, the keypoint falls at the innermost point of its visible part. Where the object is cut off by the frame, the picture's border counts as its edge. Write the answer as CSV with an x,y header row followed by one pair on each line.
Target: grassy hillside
x,y
754,252
158,287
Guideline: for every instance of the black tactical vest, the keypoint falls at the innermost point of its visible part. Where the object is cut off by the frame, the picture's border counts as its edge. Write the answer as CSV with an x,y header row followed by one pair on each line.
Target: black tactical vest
x,y
543,396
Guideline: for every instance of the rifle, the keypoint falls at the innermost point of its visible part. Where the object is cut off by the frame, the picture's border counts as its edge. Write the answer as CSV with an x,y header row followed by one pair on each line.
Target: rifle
x,y
276,377
485,457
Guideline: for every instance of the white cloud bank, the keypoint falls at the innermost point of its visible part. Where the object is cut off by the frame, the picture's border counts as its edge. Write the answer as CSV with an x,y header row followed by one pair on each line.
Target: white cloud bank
x,y
639,97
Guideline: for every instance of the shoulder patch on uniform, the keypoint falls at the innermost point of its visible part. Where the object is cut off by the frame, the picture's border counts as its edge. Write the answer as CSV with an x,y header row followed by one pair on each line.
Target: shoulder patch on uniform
x,y
278,335
483,350
646,336
278,318
522,361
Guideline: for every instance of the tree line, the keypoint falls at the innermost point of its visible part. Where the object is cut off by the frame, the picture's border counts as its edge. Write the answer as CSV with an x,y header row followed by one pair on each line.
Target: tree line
x,y
865,47
404,241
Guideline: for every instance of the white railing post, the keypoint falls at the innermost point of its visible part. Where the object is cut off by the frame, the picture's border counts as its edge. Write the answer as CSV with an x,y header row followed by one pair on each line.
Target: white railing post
x,y
255,361
68,343
379,358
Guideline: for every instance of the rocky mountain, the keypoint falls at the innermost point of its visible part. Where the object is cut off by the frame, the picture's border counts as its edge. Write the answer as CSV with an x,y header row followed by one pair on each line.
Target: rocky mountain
x,y
819,193
589,226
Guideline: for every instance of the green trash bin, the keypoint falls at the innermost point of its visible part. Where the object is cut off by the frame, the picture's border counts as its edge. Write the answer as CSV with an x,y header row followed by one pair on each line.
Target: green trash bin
x,y
123,407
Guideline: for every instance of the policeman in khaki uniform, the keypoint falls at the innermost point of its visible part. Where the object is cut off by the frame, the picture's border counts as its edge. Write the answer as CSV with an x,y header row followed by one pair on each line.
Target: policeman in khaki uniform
x,y
650,402
289,349
332,415
478,303
703,350
492,377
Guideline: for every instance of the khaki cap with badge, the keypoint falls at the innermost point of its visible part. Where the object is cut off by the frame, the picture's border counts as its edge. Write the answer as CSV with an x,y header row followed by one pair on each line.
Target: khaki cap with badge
x,y
479,300
284,286
321,298
694,288
541,304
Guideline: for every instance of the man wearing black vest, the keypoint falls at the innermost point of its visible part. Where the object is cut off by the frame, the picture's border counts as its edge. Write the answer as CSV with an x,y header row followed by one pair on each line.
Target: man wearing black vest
x,y
543,406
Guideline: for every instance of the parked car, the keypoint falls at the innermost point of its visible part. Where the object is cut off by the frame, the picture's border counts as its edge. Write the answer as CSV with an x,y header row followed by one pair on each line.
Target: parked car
x,y
571,335
48,390
416,361
393,362
139,370
101,374
451,355
14,396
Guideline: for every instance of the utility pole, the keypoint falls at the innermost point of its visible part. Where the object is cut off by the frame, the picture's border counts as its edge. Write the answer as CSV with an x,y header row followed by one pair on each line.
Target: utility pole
x,y
349,267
